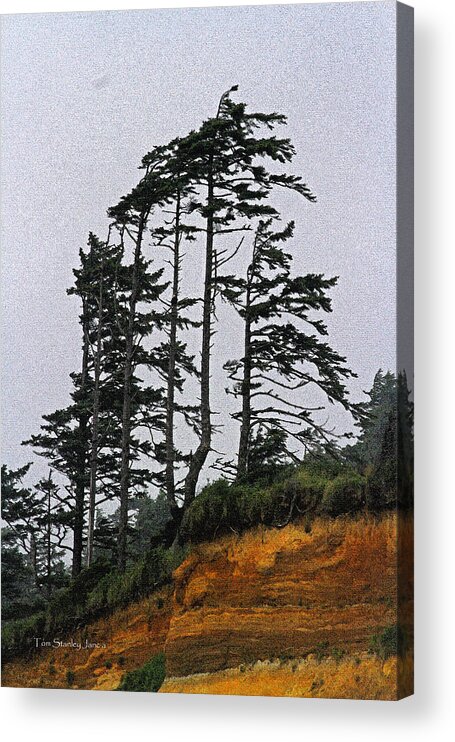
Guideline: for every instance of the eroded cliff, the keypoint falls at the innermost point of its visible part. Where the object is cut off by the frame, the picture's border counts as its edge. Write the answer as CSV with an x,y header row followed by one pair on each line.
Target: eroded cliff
x,y
290,610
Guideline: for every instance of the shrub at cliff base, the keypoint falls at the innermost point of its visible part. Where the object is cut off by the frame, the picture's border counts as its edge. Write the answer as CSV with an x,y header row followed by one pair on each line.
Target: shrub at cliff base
x,y
148,678
17,635
388,642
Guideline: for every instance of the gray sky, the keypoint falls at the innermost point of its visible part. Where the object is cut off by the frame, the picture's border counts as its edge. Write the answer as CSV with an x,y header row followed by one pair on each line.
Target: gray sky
x,y
85,95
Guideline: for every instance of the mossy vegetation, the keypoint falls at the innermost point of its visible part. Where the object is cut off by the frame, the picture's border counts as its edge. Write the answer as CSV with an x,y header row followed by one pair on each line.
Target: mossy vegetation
x,y
306,491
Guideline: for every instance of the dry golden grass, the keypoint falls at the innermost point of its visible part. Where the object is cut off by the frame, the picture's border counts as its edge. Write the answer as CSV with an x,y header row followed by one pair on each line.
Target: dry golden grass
x,y
356,677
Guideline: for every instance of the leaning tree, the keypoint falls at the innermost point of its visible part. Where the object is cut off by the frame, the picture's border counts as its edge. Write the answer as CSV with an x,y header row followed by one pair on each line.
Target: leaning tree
x,y
210,188
225,160
284,356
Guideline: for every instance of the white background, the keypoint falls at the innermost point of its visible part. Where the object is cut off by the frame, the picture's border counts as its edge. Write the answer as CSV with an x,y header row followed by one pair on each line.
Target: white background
x,y
84,715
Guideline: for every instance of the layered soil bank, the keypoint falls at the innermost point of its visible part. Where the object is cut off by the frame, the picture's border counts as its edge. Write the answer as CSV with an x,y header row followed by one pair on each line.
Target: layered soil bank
x,y
272,612
122,642
283,593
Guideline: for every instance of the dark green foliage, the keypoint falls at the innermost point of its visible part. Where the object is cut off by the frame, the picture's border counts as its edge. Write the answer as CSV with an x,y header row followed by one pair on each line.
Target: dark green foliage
x,y
148,678
213,511
388,643
98,590
224,507
323,464
384,449
227,160
118,589
151,518
344,494
305,489
64,441
105,536
69,606
19,508
381,493
267,456
34,535
283,355
70,678
381,400
20,595
18,635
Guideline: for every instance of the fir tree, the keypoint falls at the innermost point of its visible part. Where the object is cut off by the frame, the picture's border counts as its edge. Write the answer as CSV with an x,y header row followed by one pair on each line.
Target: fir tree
x,y
225,160
384,448
282,353
136,321
172,361
96,282
35,526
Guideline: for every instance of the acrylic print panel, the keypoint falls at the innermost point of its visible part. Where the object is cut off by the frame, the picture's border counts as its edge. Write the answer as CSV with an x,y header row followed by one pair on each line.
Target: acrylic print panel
x,y
207,284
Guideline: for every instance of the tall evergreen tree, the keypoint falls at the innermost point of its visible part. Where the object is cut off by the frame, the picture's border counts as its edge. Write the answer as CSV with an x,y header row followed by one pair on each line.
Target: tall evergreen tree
x,y
137,319
385,444
281,353
35,526
172,361
96,282
52,530
381,399
65,435
225,160
20,511
64,442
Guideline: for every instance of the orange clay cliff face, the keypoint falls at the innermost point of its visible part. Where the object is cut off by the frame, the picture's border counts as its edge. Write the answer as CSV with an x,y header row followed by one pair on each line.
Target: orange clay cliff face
x,y
272,612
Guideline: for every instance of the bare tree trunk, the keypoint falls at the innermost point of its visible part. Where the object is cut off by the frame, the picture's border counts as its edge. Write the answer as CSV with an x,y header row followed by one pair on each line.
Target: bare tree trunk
x,y
95,424
200,455
126,415
170,473
78,523
48,540
34,560
244,442
78,527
